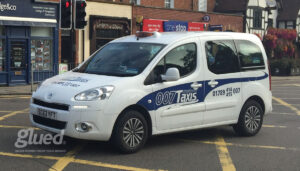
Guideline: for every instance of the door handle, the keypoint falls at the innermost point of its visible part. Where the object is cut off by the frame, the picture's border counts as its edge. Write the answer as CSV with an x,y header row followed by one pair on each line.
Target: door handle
x,y
195,86
213,83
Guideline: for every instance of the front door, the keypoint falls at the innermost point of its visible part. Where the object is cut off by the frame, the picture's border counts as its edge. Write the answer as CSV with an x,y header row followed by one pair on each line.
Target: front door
x,y
18,61
179,104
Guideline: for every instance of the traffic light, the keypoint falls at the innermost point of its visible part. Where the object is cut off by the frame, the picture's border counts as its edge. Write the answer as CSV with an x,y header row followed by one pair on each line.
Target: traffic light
x,y
66,14
80,14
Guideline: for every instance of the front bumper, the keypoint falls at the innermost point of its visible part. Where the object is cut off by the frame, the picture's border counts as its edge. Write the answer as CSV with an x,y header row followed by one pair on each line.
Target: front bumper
x,y
101,124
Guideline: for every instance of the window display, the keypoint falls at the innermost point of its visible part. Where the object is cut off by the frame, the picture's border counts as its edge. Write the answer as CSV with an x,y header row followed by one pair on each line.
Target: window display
x,y
41,48
2,55
41,54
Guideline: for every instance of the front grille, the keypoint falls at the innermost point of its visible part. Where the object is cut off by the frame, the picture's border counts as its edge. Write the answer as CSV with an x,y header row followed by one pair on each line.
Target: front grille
x,y
51,105
49,122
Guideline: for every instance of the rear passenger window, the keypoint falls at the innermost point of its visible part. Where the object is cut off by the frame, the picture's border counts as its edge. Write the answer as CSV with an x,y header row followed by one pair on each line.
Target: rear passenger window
x,y
221,57
250,54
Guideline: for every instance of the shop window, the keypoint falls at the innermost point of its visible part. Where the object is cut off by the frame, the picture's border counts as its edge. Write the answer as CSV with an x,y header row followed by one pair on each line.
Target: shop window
x,y
2,49
257,18
42,48
221,57
2,31
2,55
250,54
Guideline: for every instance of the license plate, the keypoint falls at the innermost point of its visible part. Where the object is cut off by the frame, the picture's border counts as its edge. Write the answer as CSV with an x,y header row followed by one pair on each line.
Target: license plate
x,y
46,113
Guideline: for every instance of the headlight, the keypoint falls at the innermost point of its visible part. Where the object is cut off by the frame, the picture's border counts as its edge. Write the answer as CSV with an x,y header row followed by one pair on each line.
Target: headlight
x,y
99,93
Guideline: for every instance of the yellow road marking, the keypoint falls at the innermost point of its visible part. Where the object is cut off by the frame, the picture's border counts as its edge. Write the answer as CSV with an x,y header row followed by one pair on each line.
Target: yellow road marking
x,y
13,113
224,155
242,145
18,127
273,126
64,161
79,161
5,111
287,105
283,85
14,96
107,165
29,156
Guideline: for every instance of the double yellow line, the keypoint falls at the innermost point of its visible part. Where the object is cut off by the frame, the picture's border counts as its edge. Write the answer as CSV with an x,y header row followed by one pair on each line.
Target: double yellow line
x,y
13,113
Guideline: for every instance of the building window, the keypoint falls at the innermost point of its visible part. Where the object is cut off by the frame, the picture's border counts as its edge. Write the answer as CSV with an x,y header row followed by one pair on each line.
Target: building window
x,y
136,2
41,48
2,49
281,24
257,18
290,25
270,22
221,57
169,3
202,5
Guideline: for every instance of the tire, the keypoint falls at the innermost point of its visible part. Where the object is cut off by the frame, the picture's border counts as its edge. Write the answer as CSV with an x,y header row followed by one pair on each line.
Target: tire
x,y
250,119
130,132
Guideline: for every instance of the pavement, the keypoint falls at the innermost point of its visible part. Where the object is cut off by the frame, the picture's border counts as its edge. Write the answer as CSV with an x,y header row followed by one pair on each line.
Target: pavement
x,y
26,89
275,147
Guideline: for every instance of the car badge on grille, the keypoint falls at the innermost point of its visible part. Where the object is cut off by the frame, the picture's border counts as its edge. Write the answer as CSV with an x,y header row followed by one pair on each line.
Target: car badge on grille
x,y
50,95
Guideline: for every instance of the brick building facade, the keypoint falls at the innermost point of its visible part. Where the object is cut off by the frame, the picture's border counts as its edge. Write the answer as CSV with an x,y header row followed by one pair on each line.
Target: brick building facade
x,y
192,5
229,22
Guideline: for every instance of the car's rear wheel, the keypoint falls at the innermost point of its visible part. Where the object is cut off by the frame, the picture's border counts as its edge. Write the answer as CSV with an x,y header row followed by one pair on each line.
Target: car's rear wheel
x,y
131,132
250,119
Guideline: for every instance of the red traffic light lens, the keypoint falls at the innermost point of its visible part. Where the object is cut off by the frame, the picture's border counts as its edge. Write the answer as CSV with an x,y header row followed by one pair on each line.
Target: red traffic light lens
x,y
67,4
83,4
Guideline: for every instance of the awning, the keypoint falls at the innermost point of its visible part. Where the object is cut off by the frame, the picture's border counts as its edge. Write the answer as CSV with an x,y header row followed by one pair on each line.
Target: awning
x,y
25,21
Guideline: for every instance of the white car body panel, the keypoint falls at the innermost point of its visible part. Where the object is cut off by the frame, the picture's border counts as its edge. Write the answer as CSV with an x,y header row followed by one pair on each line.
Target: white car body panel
x,y
200,113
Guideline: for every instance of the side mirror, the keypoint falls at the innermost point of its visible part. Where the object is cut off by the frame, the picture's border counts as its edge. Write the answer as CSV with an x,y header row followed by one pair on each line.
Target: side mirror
x,y
172,74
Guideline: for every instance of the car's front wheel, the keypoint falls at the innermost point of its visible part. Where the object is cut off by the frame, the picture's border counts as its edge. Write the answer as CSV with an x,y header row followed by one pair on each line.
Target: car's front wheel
x,y
131,132
250,119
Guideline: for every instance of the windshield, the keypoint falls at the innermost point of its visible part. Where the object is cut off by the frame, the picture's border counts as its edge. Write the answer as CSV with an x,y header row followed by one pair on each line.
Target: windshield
x,y
121,59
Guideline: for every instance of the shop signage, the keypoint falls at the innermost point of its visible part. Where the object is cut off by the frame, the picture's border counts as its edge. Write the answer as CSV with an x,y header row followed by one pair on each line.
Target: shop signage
x,y
175,26
109,26
63,68
26,8
194,26
206,18
215,27
153,25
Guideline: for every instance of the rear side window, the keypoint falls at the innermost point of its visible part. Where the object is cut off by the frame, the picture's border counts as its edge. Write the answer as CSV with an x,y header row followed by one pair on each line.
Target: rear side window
x,y
250,55
221,57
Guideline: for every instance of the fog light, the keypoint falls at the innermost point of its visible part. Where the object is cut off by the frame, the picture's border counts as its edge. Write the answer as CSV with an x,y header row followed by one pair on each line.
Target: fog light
x,y
83,127
80,107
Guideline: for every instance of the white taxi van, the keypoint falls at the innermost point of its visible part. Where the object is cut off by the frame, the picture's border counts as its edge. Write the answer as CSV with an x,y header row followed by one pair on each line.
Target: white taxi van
x,y
155,83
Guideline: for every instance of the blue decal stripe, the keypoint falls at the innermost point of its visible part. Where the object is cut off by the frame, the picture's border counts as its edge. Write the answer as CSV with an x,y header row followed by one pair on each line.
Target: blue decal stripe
x,y
171,94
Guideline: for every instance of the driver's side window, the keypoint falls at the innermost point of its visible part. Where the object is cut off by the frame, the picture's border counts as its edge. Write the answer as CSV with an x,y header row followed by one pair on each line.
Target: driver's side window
x,y
183,57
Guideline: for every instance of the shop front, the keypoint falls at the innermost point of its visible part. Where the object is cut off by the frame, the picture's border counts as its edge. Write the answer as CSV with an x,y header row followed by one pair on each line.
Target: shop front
x,y
28,41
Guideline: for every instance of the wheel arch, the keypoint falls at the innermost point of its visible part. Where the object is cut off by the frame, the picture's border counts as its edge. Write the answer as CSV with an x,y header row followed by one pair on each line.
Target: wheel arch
x,y
259,100
140,109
